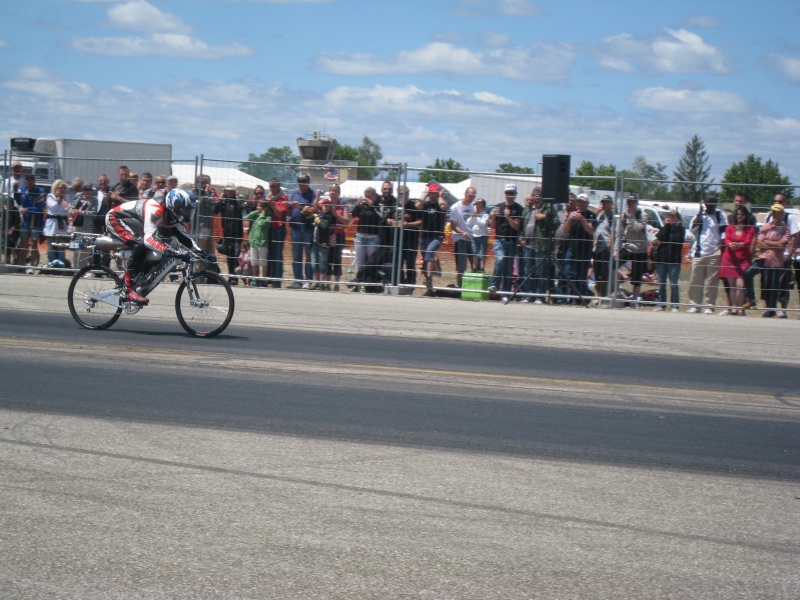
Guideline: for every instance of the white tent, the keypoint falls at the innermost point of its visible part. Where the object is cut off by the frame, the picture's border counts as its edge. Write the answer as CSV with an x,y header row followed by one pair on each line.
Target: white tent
x,y
220,176
354,188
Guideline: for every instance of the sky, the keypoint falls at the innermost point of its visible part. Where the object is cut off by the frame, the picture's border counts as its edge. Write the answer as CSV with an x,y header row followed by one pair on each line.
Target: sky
x,y
483,82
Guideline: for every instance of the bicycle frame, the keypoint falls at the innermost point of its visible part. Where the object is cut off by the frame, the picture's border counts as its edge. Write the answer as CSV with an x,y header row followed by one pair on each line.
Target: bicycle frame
x,y
154,277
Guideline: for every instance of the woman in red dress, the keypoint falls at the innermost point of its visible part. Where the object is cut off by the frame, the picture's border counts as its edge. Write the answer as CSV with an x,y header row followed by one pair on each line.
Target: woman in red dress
x,y
736,257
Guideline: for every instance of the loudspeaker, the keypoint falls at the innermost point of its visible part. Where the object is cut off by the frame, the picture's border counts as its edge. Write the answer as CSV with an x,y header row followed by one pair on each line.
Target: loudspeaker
x,y
555,177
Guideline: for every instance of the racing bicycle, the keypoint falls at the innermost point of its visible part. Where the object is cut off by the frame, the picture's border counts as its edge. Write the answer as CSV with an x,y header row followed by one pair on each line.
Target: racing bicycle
x,y
204,303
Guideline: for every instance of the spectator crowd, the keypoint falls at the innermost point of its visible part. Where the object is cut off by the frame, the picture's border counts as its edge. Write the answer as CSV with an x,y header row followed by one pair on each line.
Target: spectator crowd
x,y
533,251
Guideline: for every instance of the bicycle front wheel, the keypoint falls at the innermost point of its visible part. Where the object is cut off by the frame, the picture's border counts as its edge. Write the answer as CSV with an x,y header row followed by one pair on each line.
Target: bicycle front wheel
x,y
206,309
94,297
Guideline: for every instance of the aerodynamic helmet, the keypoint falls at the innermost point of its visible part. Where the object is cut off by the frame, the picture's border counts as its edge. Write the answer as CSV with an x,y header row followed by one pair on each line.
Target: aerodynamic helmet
x,y
180,203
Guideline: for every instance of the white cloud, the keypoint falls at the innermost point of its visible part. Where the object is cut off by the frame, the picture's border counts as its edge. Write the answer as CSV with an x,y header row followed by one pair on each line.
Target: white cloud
x,y
688,101
677,51
413,124
174,45
140,15
789,66
40,82
3,44
542,61
492,98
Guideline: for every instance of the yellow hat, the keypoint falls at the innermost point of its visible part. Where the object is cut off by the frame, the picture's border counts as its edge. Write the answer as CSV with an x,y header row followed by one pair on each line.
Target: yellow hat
x,y
777,206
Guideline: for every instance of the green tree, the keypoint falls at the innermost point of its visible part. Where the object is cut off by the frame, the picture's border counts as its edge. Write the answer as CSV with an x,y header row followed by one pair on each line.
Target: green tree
x,y
281,163
367,155
752,170
587,169
443,176
509,168
345,152
641,169
692,167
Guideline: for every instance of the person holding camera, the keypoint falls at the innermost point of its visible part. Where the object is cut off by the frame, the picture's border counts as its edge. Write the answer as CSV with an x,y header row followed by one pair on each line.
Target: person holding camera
x,y
231,208
708,227
579,230
633,248
369,216
506,220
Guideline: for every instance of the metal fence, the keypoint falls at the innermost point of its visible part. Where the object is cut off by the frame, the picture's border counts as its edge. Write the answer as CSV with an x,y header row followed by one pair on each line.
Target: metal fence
x,y
403,243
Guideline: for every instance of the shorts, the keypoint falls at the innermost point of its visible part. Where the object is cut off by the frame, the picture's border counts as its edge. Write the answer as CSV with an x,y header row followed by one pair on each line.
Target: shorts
x,y
258,256
463,250
26,233
638,262
600,265
429,247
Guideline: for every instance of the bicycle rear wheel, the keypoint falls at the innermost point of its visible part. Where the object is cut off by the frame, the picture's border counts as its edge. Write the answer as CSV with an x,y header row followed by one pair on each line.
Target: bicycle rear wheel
x,y
93,297
206,309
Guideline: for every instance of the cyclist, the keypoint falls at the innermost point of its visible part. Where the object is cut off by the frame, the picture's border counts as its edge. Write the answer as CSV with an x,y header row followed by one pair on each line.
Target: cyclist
x,y
151,224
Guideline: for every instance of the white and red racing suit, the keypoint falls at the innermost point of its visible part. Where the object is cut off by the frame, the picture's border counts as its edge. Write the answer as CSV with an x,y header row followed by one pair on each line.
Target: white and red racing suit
x,y
145,225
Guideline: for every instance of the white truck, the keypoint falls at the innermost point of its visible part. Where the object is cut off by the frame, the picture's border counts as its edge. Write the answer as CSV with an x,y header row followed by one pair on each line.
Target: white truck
x,y
62,158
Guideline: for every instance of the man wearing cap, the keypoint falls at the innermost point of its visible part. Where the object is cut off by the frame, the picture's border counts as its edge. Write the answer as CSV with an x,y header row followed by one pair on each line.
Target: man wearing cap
x,y
773,240
506,219
579,230
603,237
539,223
708,227
633,247
434,211
231,208
784,282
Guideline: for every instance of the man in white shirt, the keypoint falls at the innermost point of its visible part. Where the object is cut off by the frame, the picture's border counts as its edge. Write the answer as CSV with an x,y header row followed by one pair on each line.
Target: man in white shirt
x,y
459,213
708,227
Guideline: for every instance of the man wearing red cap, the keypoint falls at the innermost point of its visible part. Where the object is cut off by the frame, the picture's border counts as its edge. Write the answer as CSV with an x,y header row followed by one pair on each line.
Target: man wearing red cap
x,y
434,218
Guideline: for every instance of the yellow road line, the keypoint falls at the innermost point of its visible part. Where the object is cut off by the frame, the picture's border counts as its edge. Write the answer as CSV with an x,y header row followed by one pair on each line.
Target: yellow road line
x,y
416,370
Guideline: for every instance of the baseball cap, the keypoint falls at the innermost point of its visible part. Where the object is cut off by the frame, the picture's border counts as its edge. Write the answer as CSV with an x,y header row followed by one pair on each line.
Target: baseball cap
x,y
325,200
777,206
87,186
229,187
433,187
632,199
583,197
606,198
510,187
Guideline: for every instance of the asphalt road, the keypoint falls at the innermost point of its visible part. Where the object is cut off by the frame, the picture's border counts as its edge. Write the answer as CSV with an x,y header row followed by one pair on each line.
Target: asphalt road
x,y
277,462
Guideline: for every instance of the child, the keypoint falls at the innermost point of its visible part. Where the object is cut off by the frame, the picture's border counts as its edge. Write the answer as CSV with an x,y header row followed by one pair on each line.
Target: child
x,y
478,223
244,267
258,235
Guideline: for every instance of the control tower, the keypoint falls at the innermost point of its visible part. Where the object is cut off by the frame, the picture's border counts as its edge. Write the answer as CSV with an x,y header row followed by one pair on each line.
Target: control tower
x,y
316,161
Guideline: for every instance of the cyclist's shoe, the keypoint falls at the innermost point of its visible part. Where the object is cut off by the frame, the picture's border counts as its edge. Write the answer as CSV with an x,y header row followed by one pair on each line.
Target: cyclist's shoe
x,y
130,294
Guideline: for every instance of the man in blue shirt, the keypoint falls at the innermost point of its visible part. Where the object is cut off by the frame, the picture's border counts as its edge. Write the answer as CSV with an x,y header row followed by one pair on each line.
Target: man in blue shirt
x,y
301,202
31,202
